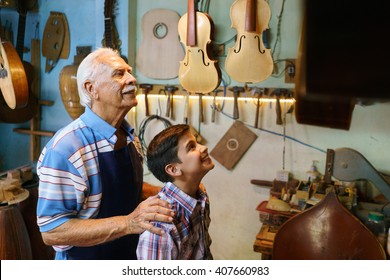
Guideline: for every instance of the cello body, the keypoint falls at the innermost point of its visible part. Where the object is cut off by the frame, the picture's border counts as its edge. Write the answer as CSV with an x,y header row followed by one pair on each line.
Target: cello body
x,y
197,72
249,60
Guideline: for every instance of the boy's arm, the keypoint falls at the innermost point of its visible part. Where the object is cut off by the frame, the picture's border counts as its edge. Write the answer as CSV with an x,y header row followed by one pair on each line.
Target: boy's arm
x,y
156,247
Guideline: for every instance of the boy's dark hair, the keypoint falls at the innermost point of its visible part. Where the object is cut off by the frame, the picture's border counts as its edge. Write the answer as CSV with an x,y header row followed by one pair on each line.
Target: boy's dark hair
x,y
162,151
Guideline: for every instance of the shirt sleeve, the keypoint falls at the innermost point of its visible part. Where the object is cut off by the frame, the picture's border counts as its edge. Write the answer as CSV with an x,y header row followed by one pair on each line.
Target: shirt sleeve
x,y
156,247
61,189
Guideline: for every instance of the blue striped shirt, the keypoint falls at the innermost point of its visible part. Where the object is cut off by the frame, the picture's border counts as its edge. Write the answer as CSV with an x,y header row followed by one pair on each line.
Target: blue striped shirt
x,y
187,238
68,172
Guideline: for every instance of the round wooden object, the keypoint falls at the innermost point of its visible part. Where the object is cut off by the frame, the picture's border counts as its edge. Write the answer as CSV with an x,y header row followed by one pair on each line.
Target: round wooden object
x,y
14,239
69,92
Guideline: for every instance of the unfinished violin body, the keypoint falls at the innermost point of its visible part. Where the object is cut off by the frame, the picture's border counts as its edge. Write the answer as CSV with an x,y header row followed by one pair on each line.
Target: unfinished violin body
x,y
197,72
249,61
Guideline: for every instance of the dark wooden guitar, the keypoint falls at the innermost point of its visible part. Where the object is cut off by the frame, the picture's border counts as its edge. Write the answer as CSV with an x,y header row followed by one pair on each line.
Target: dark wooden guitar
x,y
26,105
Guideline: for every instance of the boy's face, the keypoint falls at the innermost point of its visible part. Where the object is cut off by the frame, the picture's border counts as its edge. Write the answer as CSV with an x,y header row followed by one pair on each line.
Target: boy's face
x,y
194,157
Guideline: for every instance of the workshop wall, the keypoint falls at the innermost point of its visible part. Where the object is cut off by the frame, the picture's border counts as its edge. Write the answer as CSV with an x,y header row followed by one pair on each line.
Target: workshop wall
x,y
235,221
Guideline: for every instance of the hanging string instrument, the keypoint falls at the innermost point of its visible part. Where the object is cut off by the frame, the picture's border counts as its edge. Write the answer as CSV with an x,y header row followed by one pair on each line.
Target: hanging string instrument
x,y
111,37
197,72
249,61
18,103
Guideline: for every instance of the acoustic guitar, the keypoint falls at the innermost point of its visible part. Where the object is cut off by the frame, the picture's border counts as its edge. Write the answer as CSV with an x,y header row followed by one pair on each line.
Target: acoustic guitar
x,y
249,61
22,78
197,72
160,50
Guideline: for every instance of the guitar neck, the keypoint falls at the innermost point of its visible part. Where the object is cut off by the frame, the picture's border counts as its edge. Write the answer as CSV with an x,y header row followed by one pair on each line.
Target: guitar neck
x,y
191,24
108,32
20,38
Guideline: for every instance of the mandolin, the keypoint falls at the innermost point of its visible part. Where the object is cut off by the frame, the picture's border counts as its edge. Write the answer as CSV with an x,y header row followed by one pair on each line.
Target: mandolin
x,y
197,72
249,61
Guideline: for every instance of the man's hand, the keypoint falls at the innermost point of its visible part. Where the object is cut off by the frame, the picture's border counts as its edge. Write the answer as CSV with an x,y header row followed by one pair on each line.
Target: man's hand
x,y
151,209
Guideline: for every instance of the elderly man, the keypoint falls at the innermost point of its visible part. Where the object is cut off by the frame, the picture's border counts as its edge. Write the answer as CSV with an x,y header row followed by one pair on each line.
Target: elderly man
x,y
90,173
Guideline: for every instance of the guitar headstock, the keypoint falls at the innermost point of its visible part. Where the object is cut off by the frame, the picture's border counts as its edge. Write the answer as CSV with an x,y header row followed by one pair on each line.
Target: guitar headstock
x,y
109,6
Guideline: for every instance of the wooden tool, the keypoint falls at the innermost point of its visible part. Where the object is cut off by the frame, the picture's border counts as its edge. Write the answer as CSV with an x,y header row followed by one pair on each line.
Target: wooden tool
x,y
160,50
214,106
236,93
201,114
249,60
146,88
197,72
186,107
258,92
278,109
171,91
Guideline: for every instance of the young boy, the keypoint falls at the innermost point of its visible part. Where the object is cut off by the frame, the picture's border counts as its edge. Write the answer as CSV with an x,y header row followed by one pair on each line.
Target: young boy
x,y
176,159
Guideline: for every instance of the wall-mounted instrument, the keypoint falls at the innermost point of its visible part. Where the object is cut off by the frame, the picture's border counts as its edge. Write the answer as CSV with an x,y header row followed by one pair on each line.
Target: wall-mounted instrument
x,y
197,72
26,112
111,37
160,50
68,84
56,40
249,61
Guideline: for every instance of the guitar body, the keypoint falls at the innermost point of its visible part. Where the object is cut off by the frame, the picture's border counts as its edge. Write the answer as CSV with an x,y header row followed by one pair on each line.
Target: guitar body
x,y
26,113
14,85
249,60
197,72
160,51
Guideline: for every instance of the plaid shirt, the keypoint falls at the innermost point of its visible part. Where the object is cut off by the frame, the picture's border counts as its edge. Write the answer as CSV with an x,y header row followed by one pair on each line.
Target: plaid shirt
x,y
187,238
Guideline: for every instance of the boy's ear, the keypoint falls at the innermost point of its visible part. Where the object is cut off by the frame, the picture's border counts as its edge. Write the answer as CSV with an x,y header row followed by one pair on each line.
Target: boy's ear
x,y
173,170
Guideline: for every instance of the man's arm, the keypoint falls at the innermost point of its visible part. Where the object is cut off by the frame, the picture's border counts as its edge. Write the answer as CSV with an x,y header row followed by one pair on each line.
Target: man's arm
x,y
90,232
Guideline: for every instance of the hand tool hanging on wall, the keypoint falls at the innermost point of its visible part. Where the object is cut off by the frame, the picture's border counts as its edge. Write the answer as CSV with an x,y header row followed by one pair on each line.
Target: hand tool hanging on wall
x,y
258,92
201,116
169,111
236,93
186,106
277,93
146,88
56,40
214,107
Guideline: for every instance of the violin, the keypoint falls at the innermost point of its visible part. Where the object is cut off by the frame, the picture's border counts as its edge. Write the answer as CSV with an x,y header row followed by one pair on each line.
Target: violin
x,y
197,72
249,61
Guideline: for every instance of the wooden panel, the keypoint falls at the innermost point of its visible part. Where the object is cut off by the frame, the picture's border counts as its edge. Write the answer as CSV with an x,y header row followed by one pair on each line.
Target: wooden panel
x,y
233,145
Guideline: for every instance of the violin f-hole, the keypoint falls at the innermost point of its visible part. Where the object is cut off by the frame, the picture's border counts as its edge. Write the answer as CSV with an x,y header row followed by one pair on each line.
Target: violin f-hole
x,y
259,44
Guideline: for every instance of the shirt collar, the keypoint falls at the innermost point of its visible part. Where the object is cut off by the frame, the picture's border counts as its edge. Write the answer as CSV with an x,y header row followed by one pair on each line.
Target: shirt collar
x,y
184,199
96,123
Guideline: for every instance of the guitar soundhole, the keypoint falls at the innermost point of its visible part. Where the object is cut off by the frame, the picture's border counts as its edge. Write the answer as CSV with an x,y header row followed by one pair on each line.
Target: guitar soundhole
x,y
160,30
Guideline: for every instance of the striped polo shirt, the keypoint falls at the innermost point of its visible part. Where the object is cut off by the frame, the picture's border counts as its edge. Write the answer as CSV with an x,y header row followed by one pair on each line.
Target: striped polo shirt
x,y
69,173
